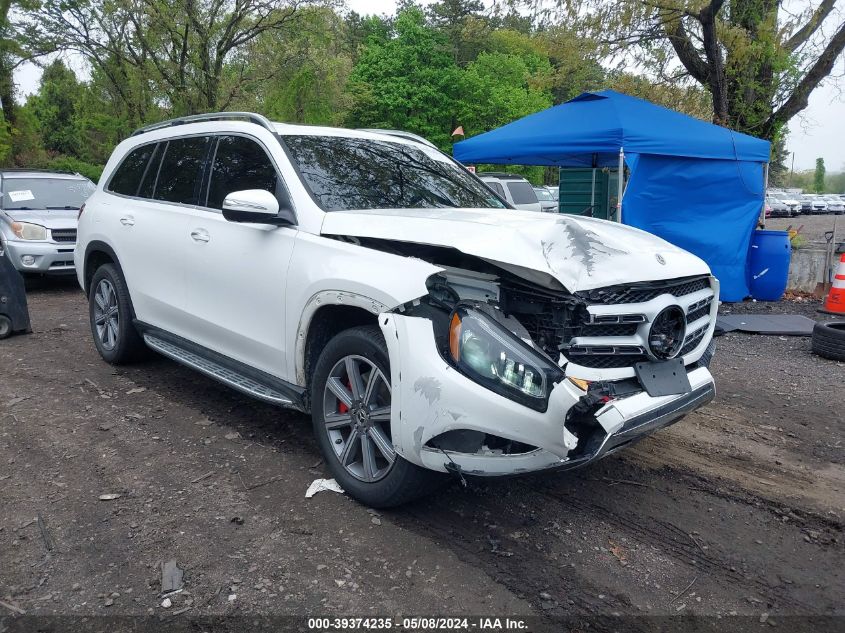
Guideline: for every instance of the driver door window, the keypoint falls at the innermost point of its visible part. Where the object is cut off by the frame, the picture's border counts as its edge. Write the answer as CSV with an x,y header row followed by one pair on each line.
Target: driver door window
x,y
240,163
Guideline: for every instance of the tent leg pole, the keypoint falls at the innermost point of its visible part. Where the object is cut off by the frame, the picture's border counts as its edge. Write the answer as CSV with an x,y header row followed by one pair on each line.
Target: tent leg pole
x,y
621,185
765,191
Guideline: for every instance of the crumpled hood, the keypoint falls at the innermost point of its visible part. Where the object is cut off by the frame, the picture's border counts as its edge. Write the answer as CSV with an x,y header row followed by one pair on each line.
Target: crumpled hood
x,y
52,219
580,253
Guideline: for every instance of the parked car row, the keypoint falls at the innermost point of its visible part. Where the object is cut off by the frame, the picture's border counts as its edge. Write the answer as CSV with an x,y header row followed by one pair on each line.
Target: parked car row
x,y
787,204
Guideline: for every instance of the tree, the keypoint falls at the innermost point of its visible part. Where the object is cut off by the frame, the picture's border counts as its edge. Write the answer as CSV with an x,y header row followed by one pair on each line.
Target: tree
x,y
691,100
55,108
759,61
5,143
409,82
312,62
451,17
184,49
498,88
7,51
818,176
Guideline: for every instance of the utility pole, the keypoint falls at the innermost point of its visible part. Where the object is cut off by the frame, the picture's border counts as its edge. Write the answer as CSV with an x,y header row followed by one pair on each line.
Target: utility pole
x,y
792,170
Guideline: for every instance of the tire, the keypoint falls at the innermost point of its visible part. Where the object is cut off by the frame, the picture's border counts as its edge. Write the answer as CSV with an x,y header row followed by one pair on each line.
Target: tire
x,y
5,326
118,341
376,482
829,340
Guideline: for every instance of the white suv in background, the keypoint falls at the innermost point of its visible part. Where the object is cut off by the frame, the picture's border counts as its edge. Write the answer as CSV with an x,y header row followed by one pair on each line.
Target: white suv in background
x,y
515,189
372,281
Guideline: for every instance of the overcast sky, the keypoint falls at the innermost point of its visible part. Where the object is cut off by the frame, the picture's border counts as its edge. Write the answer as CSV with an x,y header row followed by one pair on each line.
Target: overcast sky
x,y
818,131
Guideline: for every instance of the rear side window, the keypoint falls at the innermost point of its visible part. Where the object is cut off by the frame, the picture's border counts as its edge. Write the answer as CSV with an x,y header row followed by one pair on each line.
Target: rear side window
x,y
181,170
127,177
522,192
495,186
239,163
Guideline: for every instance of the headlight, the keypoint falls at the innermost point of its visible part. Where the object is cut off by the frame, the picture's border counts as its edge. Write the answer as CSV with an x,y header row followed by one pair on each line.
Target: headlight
x,y
495,358
27,231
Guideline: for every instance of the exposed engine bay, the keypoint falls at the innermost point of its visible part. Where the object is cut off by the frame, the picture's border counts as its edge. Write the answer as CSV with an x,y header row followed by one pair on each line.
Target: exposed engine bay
x,y
519,334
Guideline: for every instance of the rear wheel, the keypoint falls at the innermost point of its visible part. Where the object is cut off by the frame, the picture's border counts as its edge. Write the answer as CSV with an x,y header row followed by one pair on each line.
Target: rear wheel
x,y
110,313
351,401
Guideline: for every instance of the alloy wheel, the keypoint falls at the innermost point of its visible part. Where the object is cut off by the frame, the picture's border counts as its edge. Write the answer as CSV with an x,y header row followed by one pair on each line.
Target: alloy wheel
x,y
356,415
106,314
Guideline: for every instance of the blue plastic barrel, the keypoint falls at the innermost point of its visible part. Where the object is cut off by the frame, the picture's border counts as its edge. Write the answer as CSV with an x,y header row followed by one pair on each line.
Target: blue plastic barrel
x,y
769,264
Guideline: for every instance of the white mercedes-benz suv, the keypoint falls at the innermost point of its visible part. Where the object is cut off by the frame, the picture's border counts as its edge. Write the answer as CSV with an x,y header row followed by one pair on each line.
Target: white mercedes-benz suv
x,y
372,281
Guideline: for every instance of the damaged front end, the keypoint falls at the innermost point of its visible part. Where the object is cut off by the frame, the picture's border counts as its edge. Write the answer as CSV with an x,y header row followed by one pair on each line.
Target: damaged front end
x,y
494,374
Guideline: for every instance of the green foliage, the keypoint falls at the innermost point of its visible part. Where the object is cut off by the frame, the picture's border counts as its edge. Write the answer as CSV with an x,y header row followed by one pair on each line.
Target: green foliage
x,y
423,70
55,109
498,88
309,66
69,163
27,144
407,82
759,60
835,182
818,176
5,142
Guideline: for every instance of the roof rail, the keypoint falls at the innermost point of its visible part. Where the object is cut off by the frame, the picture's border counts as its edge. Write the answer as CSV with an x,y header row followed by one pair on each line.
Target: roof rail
x,y
39,170
251,117
499,174
401,134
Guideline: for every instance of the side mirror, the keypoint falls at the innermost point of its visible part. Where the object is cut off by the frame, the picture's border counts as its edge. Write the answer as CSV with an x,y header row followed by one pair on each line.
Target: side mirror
x,y
256,206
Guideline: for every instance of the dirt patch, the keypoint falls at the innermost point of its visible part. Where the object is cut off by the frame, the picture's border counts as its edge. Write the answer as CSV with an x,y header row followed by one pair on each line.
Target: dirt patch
x,y
737,509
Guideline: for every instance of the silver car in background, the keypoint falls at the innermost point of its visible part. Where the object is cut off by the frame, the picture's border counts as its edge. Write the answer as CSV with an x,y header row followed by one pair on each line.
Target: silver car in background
x,y
39,211
835,204
548,203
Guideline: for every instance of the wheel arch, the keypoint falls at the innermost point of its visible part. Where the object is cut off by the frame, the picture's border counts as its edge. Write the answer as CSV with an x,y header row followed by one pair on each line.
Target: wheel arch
x,y
97,253
326,314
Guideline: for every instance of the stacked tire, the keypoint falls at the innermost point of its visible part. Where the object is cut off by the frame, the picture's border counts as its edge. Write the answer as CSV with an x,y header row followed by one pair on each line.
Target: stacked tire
x,y
829,340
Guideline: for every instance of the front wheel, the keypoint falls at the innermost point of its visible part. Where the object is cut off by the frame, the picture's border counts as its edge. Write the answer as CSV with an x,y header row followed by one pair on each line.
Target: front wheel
x,y
351,399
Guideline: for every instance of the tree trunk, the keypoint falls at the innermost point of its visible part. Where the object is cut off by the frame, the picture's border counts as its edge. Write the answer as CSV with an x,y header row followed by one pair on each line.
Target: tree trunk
x,y
7,92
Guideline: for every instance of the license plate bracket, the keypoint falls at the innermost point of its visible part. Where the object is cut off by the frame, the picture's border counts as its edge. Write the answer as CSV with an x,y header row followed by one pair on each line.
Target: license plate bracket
x,y
664,378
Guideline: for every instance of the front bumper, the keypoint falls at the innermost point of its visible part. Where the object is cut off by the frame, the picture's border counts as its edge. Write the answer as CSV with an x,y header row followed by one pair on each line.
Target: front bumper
x,y
430,398
49,258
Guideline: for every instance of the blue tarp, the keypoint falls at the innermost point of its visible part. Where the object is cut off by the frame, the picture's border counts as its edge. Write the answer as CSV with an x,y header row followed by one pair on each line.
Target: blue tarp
x,y
695,184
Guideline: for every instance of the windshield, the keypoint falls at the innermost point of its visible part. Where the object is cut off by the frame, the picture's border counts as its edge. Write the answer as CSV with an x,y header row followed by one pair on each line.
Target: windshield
x,y
346,173
45,193
543,194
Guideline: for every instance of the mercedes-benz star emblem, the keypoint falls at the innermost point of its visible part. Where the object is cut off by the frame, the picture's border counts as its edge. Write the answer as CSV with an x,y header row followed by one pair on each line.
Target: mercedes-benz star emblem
x,y
667,333
660,259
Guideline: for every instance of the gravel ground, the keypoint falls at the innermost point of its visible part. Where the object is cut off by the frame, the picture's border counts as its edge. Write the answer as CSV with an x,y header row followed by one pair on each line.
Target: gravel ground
x,y
813,226
738,509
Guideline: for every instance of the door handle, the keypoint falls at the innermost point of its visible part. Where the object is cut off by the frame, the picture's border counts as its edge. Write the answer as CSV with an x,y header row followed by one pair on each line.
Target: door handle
x,y
127,221
200,235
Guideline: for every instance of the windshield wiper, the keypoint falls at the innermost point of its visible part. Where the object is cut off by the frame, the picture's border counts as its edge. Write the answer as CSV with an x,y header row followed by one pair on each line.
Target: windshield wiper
x,y
67,206
18,209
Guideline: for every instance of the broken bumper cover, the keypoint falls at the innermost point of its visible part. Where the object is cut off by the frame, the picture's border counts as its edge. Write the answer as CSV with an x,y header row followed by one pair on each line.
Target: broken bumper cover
x,y
430,398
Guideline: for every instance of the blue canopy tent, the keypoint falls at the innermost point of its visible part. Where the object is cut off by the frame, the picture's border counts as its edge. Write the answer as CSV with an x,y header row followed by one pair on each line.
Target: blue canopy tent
x,y
697,185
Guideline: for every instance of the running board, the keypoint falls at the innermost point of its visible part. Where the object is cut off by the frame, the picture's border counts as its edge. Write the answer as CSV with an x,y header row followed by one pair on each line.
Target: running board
x,y
227,376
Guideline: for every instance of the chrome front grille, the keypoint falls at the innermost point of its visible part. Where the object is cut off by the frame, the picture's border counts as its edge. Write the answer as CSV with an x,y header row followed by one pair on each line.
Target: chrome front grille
x,y
640,293
614,332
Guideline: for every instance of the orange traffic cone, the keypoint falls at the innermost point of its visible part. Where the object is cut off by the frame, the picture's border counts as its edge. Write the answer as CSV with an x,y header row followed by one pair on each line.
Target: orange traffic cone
x,y
835,303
